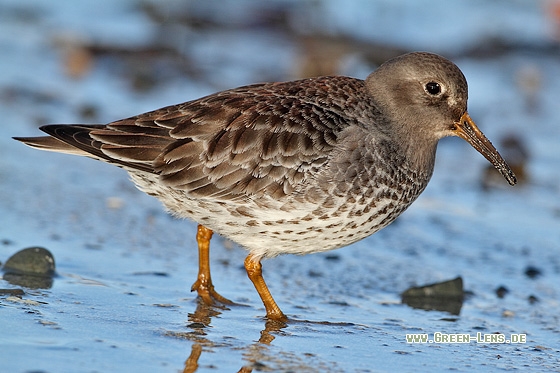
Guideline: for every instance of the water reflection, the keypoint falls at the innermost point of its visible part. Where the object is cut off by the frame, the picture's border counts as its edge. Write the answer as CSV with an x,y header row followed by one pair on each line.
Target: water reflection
x,y
260,355
28,281
199,322
254,355
191,364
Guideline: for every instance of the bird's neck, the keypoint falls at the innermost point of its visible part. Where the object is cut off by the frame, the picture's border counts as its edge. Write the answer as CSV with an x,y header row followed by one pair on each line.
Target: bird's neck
x,y
420,155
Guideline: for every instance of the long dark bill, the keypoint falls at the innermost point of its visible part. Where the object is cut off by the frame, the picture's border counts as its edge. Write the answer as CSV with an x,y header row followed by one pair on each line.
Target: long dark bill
x,y
467,130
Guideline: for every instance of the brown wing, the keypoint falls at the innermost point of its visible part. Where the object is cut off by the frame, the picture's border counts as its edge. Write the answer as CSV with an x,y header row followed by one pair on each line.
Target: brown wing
x,y
248,141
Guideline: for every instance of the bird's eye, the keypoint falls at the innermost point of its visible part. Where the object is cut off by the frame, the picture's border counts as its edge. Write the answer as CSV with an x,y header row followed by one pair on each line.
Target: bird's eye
x,y
433,88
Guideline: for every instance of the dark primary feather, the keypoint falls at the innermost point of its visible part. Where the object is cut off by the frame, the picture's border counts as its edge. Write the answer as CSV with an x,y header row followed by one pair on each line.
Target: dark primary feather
x,y
249,141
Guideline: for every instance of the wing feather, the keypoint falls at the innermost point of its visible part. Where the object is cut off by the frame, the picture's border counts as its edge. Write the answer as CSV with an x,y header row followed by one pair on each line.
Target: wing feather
x,y
240,143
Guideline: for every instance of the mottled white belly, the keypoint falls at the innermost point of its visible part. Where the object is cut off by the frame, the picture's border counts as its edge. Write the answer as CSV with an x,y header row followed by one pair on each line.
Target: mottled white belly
x,y
269,227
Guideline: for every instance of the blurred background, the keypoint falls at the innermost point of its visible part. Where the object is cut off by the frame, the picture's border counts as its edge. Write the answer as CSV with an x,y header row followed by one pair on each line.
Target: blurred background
x,y
120,299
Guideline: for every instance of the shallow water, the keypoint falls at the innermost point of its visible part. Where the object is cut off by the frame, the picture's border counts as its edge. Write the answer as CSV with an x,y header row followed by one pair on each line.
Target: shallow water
x,y
121,300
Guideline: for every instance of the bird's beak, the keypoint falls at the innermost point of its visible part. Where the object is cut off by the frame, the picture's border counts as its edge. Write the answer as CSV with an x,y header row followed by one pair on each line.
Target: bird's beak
x,y
467,129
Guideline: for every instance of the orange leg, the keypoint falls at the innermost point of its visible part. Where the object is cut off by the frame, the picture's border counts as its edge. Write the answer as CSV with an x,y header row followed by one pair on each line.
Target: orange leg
x,y
203,284
254,271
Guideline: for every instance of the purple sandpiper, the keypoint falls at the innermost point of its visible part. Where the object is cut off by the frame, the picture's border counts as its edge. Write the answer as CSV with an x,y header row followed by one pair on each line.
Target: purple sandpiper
x,y
290,168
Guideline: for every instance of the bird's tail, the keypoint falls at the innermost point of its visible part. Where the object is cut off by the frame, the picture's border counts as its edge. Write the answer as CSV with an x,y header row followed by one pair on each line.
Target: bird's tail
x,y
51,144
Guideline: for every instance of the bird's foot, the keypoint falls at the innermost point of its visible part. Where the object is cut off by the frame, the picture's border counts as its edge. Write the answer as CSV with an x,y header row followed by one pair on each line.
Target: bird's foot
x,y
206,292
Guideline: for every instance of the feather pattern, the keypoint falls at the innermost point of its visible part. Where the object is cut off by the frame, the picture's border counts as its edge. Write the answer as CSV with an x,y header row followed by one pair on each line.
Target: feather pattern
x,y
241,143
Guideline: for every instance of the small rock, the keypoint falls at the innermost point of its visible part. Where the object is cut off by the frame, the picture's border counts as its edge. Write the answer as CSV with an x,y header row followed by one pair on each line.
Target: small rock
x,y
27,302
332,257
532,299
501,291
532,272
196,325
508,313
444,296
36,261
32,268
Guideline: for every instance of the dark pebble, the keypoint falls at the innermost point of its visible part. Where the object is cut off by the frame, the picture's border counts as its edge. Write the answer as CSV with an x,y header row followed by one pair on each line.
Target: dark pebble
x,y
196,325
35,261
532,299
501,291
313,273
532,272
333,257
443,296
32,268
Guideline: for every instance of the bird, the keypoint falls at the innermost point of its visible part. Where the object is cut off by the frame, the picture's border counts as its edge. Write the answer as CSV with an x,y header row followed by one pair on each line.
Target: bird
x,y
295,167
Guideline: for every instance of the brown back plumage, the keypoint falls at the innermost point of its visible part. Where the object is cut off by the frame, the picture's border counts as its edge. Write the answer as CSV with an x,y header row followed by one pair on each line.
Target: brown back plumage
x,y
263,138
